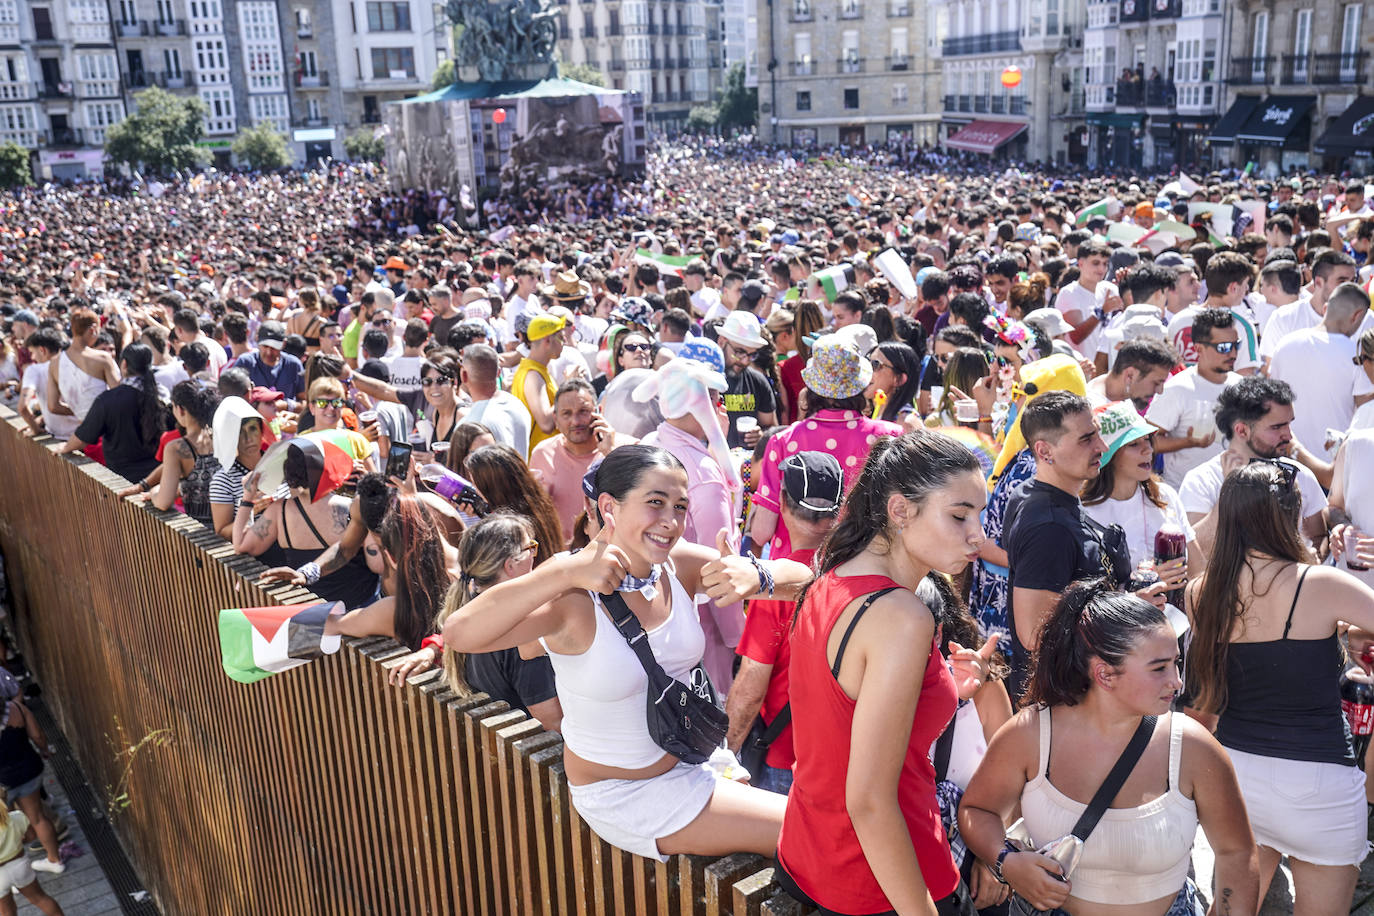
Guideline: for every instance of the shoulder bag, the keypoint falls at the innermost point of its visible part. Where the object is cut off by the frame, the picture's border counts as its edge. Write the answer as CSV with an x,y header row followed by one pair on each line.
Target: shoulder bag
x,y
685,720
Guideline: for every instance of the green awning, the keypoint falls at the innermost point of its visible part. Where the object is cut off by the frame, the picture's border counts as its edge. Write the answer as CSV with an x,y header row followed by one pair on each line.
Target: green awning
x,y
1113,119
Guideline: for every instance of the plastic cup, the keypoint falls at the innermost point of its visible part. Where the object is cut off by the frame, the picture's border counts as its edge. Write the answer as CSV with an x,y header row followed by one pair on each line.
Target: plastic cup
x,y
440,450
966,410
746,424
367,416
1352,543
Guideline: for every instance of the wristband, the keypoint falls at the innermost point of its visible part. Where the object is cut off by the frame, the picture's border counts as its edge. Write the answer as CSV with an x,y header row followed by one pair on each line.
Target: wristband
x,y
143,486
434,641
1007,849
766,582
310,572
985,419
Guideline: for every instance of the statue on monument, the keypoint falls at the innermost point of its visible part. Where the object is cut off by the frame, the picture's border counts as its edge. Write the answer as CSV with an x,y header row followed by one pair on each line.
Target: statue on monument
x,y
505,39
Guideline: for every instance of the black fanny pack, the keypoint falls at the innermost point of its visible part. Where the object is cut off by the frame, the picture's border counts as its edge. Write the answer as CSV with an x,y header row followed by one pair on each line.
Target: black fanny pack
x,y
684,719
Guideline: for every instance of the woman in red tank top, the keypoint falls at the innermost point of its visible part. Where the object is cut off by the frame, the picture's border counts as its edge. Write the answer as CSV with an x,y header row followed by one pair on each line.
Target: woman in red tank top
x,y
870,690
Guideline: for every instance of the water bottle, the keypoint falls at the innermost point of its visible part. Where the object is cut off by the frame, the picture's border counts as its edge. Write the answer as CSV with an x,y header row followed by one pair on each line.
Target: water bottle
x,y
452,487
1357,702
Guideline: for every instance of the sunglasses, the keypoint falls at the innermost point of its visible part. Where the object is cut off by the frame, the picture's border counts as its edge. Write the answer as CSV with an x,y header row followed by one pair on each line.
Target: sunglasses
x,y
325,403
1225,347
1288,472
532,545
636,348
381,322
879,364
432,380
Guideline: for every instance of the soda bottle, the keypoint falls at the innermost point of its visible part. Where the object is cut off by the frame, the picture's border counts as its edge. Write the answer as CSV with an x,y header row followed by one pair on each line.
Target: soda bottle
x,y
1170,544
452,487
1357,702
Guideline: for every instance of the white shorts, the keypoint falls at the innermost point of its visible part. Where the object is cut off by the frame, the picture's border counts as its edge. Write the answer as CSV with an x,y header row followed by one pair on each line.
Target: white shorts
x,y
1314,812
631,814
16,873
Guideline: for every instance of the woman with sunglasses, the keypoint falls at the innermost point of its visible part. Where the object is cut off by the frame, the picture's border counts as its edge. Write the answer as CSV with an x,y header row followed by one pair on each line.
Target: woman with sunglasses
x,y
1265,659
629,350
895,369
439,383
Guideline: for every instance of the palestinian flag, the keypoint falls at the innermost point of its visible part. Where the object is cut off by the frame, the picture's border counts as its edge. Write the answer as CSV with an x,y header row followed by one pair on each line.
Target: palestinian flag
x,y
260,641
834,280
666,263
1100,208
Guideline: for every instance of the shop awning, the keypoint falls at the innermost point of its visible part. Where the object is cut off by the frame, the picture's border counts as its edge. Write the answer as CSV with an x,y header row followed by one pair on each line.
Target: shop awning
x,y
1352,133
1114,119
1275,121
1225,130
985,136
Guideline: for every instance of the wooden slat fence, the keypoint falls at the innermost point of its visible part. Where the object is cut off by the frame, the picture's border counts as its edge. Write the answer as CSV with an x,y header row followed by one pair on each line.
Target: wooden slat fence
x,y
321,790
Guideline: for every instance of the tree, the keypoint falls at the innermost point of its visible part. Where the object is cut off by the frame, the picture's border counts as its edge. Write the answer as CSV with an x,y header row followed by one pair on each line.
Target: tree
x,y
444,75
161,134
702,119
262,147
582,73
739,106
14,165
364,146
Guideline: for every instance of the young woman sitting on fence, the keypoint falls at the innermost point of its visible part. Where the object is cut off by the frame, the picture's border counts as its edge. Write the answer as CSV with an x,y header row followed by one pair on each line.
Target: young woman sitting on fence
x,y
631,792
415,578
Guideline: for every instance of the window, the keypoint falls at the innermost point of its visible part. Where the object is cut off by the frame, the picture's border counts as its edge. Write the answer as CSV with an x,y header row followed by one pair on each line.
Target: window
x,y
270,109
1209,60
171,62
898,47
1259,48
851,98
1350,39
303,22
212,62
804,101
899,93
389,17
801,53
393,63
262,55
165,13
309,64
1051,17
219,113
1302,44
850,58
312,109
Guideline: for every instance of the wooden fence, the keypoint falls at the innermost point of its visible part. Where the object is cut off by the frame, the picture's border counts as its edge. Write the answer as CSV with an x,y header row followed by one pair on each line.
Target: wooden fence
x,y
321,790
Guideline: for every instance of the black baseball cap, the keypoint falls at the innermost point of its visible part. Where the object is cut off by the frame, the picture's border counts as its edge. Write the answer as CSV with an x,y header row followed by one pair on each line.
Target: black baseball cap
x,y
752,291
814,481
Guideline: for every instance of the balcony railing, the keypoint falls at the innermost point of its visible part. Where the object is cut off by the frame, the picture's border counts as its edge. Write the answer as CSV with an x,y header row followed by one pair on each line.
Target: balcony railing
x,y
1018,105
1160,94
999,105
68,136
899,62
312,80
801,67
850,65
589,31
617,65
170,27
312,122
1295,69
989,43
1339,69
980,104
966,103
305,32
183,80
1130,94
898,10
372,117
131,29
800,13
46,90
1250,71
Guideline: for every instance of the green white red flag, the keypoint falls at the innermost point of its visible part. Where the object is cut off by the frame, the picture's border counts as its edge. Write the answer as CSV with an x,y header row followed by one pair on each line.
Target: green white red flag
x,y
258,642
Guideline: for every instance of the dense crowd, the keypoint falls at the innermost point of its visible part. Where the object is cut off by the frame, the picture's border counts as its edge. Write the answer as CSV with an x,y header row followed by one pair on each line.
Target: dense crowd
x,y
877,464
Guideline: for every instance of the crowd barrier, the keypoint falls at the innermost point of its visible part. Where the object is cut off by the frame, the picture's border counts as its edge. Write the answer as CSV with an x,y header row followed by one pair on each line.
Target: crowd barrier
x,y
321,790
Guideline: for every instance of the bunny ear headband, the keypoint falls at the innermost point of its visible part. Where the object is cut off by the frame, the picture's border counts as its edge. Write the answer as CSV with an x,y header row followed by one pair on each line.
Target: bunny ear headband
x,y
683,387
1011,331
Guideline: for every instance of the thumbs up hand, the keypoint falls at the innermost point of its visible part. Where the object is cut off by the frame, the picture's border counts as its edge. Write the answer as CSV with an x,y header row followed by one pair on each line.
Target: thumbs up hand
x,y
971,668
730,577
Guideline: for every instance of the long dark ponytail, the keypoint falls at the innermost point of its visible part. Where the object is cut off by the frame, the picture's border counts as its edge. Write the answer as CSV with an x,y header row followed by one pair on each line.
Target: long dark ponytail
x,y
914,465
138,360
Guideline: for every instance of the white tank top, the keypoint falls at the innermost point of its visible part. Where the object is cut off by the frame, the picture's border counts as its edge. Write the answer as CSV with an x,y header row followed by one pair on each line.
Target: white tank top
x,y
604,690
1135,855
79,388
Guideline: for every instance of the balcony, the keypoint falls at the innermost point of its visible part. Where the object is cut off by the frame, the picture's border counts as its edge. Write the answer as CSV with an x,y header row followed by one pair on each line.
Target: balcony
x,y
305,32
668,63
999,105
617,66
1339,69
899,62
1129,94
898,10
16,92
851,10
68,136
980,104
372,117
589,31
131,29
182,80
312,122
1250,71
1295,69
850,65
989,43
800,12
965,103
802,68
54,90
170,27
314,80
1018,105
1160,94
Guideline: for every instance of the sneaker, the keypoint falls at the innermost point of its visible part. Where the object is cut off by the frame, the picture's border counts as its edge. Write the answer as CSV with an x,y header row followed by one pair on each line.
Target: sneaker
x,y
55,868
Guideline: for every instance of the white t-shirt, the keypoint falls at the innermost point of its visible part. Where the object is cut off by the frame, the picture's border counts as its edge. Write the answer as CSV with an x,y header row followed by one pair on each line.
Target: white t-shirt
x,y
1141,519
405,371
168,375
1359,487
1202,488
1298,316
1364,417
1077,298
1180,336
1319,367
59,426
1188,400
507,417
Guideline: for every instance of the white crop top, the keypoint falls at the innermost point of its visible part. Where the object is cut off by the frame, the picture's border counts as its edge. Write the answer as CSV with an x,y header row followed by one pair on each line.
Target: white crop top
x,y
603,690
1135,855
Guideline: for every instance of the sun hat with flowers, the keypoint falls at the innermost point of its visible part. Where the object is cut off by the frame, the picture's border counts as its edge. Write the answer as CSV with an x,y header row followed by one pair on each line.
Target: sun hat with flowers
x,y
836,370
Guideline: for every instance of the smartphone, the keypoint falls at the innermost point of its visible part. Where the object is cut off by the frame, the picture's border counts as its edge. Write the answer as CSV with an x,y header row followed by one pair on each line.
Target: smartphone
x,y
398,460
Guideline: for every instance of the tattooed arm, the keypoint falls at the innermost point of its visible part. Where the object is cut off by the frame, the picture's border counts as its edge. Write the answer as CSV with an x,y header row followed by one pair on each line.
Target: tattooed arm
x,y
255,536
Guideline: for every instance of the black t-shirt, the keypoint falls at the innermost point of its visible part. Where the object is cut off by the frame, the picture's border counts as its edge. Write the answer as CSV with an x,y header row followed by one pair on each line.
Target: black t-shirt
x,y
504,675
747,395
1051,543
114,422
439,327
